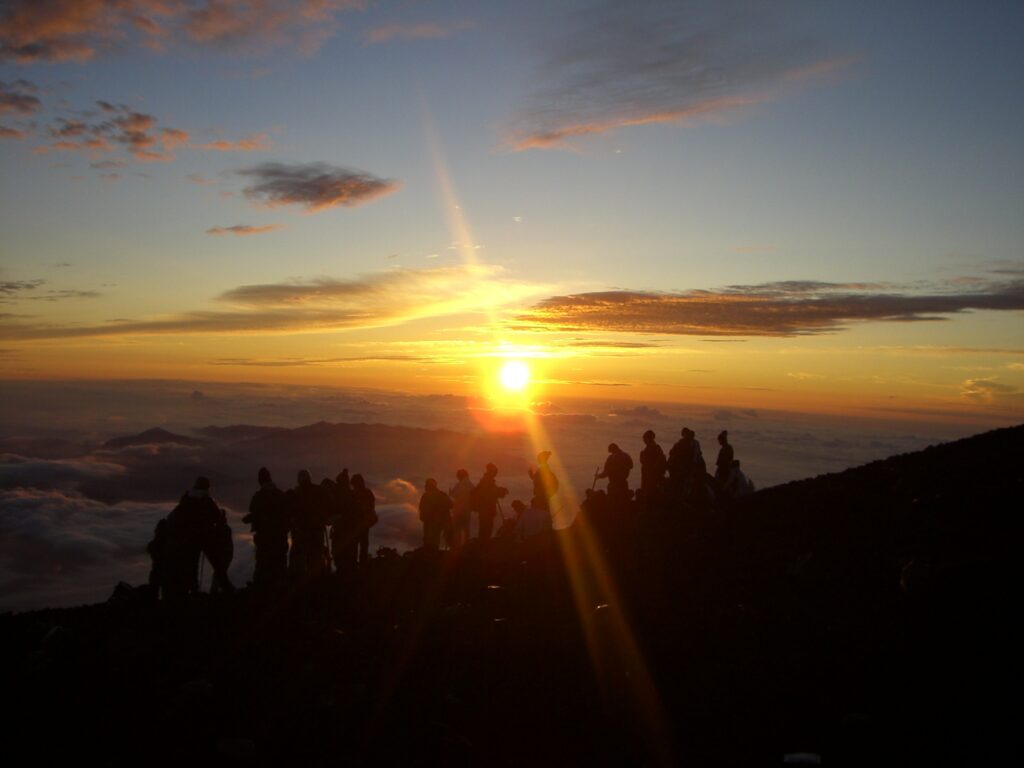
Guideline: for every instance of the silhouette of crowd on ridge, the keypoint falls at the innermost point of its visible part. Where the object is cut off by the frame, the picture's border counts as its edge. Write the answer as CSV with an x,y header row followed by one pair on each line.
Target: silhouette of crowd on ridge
x,y
312,530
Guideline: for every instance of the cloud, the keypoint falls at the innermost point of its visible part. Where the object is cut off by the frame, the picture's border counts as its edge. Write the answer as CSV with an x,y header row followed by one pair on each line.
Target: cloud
x,y
257,142
10,289
315,186
59,548
136,132
19,471
18,98
417,31
76,30
291,362
772,309
984,390
637,413
243,229
6,132
609,344
623,65
371,301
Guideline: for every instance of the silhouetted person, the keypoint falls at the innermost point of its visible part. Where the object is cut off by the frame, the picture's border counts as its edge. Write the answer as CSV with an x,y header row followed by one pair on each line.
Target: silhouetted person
x,y
435,514
462,499
725,457
366,509
346,530
485,501
268,517
617,468
686,464
220,550
545,484
308,513
652,469
189,527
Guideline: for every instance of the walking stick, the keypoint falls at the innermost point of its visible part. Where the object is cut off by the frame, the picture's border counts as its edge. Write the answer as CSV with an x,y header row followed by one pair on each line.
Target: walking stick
x,y
597,471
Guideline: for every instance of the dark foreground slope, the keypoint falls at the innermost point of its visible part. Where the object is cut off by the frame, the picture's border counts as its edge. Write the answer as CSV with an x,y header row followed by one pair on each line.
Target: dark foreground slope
x,y
864,616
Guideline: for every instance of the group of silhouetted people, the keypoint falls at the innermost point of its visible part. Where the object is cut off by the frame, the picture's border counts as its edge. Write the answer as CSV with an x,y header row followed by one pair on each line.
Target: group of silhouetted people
x,y
680,476
449,515
313,529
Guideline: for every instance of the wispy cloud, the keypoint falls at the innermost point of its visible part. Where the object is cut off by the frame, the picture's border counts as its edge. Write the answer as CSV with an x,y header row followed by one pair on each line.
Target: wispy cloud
x,y
636,64
11,289
297,362
257,142
243,229
427,30
371,301
771,309
985,390
314,186
77,30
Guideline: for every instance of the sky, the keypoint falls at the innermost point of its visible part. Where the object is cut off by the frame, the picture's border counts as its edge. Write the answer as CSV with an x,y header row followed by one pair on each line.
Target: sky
x,y
806,204
801,221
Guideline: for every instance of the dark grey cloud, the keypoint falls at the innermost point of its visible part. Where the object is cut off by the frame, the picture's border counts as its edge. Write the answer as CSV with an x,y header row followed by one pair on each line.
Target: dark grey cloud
x,y
771,309
10,289
78,30
18,98
313,186
656,61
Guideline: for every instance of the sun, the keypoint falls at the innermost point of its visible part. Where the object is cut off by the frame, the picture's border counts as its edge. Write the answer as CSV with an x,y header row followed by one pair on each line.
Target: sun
x,y
514,376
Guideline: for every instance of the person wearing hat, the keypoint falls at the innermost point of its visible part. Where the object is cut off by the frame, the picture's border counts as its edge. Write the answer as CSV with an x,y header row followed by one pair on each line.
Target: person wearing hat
x,y
545,484
617,467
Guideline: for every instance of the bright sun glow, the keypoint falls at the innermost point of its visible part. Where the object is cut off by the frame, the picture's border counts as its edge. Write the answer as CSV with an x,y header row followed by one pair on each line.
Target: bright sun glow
x,y
514,376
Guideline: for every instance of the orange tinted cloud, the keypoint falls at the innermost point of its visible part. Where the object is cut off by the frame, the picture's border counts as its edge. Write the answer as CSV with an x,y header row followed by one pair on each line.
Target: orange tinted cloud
x,y
76,30
255,143
421,31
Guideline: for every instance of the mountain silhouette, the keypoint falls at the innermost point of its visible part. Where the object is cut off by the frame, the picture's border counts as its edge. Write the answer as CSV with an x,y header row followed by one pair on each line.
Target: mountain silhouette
x,y
155,436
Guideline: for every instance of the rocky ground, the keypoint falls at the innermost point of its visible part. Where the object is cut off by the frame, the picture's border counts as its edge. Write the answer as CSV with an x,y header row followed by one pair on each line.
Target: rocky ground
x,y
863,618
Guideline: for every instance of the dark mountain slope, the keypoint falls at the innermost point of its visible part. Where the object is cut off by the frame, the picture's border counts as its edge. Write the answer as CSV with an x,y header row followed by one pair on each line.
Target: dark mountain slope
x,y
866,616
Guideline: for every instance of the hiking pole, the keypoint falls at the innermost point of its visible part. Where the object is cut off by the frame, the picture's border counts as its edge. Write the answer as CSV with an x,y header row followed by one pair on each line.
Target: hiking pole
x,y
597,471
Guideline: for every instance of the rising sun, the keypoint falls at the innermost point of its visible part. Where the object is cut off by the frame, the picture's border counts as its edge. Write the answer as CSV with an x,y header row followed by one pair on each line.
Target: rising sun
x,y
514,376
